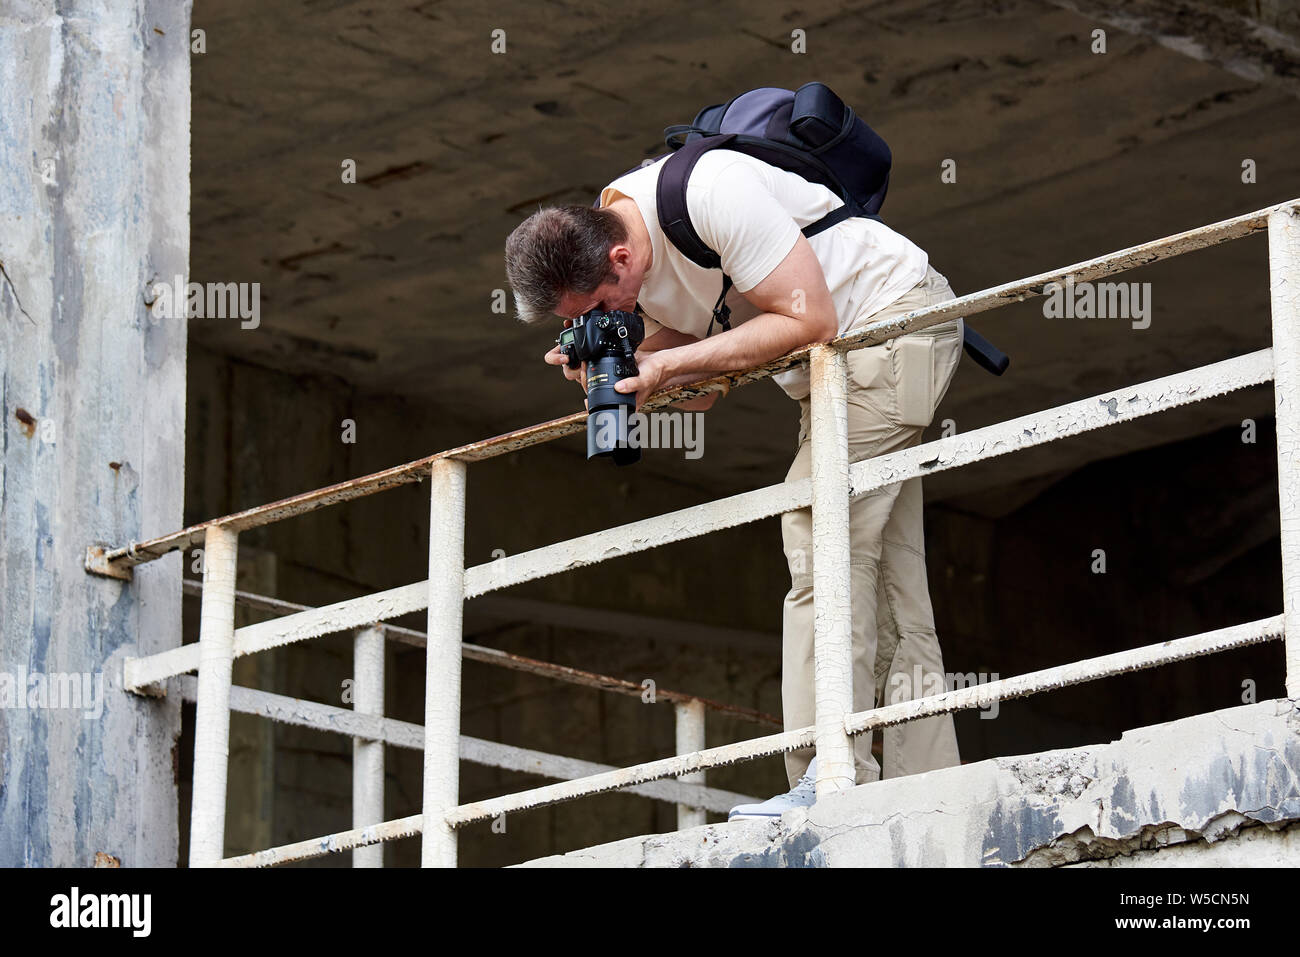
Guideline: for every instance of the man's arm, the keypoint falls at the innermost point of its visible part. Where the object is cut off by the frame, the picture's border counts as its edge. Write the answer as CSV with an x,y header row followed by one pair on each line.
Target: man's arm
x,y
667,338
797,310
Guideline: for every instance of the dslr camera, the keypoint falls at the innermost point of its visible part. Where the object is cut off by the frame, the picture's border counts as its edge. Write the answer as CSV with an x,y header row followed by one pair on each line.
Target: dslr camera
x,y
607,342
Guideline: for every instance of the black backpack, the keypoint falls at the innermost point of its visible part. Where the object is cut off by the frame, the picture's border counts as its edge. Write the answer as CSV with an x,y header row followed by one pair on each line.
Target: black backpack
x,y
809,131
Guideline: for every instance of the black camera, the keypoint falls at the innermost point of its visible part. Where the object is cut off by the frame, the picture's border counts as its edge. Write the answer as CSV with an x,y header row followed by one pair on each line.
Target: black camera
x,y
607,342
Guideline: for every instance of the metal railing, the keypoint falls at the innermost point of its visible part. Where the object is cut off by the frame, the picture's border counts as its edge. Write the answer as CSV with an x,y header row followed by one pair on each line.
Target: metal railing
x,y
833,483
370,730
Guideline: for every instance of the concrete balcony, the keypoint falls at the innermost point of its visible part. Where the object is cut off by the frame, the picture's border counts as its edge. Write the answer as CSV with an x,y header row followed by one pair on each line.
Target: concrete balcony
x,y
1217,789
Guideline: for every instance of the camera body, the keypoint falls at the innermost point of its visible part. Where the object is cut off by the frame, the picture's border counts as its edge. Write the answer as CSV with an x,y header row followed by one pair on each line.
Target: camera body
x,y
607,342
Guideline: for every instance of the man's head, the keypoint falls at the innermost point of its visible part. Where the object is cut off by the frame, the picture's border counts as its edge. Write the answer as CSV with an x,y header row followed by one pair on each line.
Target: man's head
x,y
567,260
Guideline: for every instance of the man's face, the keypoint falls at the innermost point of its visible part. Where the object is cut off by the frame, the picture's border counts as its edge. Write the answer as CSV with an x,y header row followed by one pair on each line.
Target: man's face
x,y
617,293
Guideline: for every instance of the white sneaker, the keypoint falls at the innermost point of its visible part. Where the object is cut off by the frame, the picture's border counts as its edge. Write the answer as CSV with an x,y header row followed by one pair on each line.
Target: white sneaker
x,y
803,794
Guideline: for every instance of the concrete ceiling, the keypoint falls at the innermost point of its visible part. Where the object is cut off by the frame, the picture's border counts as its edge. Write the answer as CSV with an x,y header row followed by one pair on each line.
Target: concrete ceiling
x,y
1062,154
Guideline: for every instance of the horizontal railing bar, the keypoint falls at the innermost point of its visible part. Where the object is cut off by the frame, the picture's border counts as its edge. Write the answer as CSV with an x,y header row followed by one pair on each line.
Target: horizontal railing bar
x,y
560,615
405,599
141,674
1122,260
692,522
281,606
1061,676
330,844
404,734
1076,418
411,826
1038,428
1149,656
599,682
991,298
1018,686
628,625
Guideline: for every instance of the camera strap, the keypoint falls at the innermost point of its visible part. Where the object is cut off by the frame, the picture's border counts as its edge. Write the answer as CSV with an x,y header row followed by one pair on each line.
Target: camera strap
x,y
721,311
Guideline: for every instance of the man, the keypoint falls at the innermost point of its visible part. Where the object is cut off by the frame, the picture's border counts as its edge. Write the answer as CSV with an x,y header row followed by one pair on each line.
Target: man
x,y
789,291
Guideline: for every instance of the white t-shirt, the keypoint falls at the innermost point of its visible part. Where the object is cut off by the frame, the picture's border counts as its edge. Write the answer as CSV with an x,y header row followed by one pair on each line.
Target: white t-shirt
x,y
750,213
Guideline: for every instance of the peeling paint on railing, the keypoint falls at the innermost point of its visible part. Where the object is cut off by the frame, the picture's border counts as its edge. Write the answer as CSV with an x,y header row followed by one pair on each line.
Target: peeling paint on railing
x,y
976,696
832,484
1036,429
1205,236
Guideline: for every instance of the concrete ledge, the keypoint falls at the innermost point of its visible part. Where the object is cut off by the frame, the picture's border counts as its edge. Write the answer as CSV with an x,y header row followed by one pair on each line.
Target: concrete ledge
x,y
1183,789
1261,845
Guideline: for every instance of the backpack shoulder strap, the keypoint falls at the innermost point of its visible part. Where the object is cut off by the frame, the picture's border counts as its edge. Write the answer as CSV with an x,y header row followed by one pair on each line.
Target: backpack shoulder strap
x,y
675,219
670,200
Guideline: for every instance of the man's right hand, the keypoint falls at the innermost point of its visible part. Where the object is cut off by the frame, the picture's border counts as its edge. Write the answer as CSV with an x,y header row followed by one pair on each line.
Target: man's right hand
x,y
557,358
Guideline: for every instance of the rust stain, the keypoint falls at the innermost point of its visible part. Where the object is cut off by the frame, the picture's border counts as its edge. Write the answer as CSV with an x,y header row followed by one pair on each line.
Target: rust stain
x,y
97,563
28,423
504,659
115,466
601,682
106,860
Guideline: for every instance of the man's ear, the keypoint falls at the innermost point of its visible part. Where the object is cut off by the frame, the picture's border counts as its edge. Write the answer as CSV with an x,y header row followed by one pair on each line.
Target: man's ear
x,y
620,254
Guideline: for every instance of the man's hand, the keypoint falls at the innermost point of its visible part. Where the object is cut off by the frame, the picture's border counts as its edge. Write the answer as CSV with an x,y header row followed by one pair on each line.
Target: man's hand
x,y
797,310
557,358
650,378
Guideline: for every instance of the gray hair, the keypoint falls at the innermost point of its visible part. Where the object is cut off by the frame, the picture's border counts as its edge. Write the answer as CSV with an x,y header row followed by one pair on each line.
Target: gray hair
x,y
560,249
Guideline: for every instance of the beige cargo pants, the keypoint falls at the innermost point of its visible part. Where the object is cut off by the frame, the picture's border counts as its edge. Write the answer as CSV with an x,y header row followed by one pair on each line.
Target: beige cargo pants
x,y
894,389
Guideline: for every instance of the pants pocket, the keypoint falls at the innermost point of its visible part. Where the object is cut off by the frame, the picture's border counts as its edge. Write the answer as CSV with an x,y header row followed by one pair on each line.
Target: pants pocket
x,y
917,359
913,366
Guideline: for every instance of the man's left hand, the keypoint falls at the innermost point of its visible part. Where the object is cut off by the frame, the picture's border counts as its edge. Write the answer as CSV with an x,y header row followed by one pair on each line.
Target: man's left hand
x,y
652,373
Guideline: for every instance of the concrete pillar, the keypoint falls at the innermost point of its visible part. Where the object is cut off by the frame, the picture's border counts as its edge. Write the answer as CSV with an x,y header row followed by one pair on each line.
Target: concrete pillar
x,y
832,605
443,660
94,207
212,704
1284,289
368,756
690,738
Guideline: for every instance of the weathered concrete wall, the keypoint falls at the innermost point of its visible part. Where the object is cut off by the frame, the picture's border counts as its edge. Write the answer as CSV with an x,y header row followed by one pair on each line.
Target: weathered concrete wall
x,y
1188,784
94,206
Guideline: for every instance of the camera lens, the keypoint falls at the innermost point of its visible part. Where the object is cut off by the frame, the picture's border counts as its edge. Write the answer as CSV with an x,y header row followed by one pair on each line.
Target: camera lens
x,y
609,412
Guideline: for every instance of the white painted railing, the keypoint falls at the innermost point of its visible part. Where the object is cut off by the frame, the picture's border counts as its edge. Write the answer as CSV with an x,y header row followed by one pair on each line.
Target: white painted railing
x,y
829,492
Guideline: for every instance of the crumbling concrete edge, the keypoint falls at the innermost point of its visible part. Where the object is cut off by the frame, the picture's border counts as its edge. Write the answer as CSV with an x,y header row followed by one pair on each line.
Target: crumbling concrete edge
x,y
1197,780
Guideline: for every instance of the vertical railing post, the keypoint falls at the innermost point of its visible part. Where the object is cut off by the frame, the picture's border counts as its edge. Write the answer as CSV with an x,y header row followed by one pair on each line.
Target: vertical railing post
x,y
443,656
1284,296
212,704
690,738
832,605
368,755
